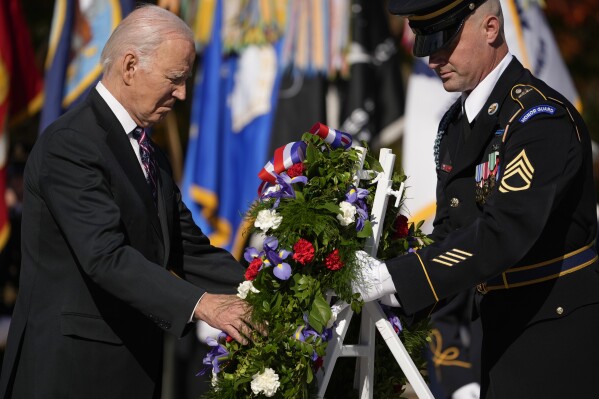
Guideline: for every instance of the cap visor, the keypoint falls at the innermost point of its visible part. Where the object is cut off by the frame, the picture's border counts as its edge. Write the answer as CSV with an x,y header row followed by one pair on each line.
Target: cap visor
x,y
426,44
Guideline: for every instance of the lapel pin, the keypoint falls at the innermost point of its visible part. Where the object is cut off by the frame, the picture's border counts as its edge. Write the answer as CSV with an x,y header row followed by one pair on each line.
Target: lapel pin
x,y
493,108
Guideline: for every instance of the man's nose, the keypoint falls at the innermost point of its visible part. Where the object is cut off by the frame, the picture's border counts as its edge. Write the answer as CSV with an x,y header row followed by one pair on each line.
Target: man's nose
x,y
180,92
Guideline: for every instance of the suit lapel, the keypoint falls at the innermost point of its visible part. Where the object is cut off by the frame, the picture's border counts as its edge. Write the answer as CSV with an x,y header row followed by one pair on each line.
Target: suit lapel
x,y
118,143
484,123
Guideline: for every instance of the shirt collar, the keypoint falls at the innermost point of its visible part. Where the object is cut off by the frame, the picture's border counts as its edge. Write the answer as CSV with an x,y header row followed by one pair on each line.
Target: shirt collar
x,y
119,111
474,102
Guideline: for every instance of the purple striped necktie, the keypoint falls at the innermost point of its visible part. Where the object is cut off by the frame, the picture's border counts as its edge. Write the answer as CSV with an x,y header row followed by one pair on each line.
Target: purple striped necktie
x,y
146,153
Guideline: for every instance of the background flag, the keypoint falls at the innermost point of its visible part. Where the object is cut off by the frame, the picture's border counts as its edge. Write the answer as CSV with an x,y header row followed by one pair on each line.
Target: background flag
x,y
79,31
20,88
530,40
372,96
232,112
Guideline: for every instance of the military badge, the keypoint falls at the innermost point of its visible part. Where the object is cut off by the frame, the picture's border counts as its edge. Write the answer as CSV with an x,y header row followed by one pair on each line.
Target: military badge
x,y
518,174
486,175
534,111
493,108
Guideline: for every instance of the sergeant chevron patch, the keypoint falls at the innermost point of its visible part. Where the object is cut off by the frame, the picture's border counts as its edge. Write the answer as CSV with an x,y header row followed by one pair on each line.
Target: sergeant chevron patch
x,y
452,257
518,174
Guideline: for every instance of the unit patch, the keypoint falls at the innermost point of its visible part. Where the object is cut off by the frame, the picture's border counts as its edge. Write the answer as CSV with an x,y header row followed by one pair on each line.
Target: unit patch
x,y
452,258
518,174
534,111
486,176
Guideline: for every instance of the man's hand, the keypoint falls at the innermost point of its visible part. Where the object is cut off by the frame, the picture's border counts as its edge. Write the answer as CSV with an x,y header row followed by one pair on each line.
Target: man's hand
x,y
227,313
375,281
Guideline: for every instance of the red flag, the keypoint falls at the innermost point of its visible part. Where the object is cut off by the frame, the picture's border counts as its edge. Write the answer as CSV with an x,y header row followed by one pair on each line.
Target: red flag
x,y
20,88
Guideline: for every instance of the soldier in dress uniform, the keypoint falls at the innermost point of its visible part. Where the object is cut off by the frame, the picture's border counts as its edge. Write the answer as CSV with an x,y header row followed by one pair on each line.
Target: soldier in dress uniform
x,y
515,211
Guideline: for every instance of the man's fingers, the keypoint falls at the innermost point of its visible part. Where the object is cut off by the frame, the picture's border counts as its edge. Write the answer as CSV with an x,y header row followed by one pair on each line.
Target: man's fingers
x,y
236,335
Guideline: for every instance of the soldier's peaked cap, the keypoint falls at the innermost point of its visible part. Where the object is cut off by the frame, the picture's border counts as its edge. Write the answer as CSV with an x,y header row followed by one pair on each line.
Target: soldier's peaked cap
x,y
434,22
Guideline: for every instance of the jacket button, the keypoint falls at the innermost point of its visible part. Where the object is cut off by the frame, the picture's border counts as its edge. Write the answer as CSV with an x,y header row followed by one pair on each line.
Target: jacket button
x,y
454,202
559,310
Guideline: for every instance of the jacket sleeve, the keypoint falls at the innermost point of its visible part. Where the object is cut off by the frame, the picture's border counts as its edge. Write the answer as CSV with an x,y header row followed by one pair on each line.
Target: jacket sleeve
x,y
205,265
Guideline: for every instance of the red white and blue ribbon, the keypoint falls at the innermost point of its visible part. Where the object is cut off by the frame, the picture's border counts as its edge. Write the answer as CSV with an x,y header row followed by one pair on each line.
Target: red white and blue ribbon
x,y
292,153
285,157
334,137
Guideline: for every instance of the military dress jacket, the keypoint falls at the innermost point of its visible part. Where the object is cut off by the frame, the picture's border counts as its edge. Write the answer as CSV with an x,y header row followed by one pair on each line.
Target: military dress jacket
x,y
516,218
105,270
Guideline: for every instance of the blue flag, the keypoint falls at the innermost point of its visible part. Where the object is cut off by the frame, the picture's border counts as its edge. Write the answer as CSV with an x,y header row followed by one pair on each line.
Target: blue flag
x,y
232,113
77,38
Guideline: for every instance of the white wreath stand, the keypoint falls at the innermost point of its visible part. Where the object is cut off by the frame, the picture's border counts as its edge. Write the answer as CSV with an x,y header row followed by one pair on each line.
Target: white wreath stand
x,y
372,315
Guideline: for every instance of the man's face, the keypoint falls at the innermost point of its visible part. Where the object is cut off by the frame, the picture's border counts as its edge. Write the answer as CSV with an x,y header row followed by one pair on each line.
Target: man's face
x,y
155,89
464,62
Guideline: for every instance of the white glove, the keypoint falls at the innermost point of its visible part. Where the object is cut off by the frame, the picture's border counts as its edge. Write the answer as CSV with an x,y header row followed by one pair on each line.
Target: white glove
x,y
205,331
375,281
468,391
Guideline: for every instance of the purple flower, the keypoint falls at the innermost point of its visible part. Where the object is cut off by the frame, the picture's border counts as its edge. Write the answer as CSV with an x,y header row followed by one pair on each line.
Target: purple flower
x,y
355,194
215,356
361,220
299,335
281,270
270,243
393,319
396,323
286,189
251,253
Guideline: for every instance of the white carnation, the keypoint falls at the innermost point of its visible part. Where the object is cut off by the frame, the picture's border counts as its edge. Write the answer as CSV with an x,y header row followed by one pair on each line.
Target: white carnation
x,y
244,289
348,213
268,219
266,382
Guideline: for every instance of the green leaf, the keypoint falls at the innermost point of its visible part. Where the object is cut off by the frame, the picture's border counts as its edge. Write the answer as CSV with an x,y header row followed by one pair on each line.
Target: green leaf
x,y
366,231
320,313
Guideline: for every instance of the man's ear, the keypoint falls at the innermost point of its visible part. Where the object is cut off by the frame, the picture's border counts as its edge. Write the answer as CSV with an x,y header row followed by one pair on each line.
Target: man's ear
x,y
492,29
129,68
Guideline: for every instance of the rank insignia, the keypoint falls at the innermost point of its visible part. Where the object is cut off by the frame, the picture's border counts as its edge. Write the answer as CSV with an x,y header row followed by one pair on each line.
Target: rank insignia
x,y
453,257
486,175
518,174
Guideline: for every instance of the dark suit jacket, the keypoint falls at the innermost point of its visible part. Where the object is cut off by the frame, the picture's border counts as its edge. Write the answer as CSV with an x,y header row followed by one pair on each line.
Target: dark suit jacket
x,y
98,285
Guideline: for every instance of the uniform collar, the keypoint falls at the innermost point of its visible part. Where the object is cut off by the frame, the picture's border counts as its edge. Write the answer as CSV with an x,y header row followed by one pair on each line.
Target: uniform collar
x,y
475,101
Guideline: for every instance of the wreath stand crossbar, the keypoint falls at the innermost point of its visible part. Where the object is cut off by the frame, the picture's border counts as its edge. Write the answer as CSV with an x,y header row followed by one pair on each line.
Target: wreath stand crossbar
x,y
372,315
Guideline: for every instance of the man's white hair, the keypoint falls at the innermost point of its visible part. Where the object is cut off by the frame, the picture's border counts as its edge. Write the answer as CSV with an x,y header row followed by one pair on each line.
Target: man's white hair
x,y
142,32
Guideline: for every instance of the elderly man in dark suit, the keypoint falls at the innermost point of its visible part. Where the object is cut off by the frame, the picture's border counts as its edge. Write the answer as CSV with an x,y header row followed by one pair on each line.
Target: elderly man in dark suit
x,y
111,256
515,210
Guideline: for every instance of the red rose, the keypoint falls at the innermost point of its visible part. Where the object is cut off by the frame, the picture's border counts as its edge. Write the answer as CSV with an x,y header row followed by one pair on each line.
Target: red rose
x,y
229,338
303,251
333,261
401,227
317,363
296,170
253,269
